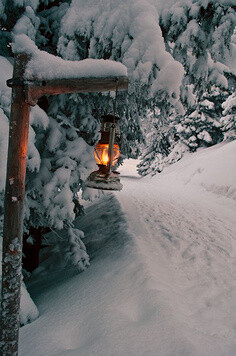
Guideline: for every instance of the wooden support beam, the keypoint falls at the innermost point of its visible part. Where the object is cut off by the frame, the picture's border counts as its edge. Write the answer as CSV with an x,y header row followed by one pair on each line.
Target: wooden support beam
x,y
34,90
13,213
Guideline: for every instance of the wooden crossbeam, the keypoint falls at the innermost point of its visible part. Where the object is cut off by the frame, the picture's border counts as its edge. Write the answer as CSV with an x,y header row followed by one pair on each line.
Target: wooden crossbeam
x,y
34,90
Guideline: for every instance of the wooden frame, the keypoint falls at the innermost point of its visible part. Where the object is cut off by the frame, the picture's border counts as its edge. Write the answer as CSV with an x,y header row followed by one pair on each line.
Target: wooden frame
x,y
26,94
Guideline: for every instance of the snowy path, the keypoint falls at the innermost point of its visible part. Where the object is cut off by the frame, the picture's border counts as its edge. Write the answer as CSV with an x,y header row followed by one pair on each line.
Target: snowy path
x,y
161,281
187,245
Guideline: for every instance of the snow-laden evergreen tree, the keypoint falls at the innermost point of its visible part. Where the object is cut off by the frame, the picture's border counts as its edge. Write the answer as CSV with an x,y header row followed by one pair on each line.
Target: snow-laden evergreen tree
x,y
129,32
229,118
53,180
158,142
199,35
58,160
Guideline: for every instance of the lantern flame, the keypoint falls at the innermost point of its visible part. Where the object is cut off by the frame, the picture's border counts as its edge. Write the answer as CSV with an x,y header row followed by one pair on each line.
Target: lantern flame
x,y
105,157
101,154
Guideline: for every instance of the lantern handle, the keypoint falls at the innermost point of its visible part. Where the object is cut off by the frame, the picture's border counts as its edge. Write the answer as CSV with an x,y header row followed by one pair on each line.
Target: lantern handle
x,y
115,101
112,133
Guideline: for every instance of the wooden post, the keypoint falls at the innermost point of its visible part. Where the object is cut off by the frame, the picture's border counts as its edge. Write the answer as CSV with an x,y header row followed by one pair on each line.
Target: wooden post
x,y
14,204
24,94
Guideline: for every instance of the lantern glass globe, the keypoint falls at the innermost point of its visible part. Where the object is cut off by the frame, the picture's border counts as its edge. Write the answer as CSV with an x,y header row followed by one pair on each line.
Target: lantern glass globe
x,y
101,154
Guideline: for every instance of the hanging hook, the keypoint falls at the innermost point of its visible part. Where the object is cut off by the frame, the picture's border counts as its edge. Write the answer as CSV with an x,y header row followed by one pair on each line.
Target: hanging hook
x,y
115,101
108,102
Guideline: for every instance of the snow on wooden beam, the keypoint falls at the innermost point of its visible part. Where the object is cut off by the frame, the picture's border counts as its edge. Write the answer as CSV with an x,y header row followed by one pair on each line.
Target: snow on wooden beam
x,y
34,90
48,74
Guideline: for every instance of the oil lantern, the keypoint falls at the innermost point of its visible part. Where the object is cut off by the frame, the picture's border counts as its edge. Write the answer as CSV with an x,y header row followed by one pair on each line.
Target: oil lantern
x,y
106,154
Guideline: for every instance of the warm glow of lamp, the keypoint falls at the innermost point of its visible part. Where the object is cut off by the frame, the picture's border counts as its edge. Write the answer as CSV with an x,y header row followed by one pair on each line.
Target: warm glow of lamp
x,y
101,154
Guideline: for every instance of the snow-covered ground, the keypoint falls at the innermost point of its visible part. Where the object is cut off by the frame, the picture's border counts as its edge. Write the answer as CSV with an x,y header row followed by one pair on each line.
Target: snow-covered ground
x,y
162,274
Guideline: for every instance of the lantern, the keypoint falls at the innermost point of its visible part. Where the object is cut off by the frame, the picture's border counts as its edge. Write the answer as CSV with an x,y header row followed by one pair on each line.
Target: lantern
x,y
106,154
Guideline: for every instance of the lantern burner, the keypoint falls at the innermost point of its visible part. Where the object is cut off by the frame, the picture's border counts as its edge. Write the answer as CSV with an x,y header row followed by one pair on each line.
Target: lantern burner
x,y
102,180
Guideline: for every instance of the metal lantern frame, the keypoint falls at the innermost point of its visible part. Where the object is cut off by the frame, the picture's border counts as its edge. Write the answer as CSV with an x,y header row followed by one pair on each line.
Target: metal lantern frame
x,y
106,178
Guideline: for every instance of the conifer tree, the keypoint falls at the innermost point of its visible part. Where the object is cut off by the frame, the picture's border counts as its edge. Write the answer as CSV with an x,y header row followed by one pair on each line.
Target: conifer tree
x,y
128,32
51,199
53,180
228,119
198,34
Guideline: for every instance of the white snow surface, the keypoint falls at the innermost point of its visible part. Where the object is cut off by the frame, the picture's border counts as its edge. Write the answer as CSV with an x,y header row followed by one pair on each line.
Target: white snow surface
x,y
162,274
45,66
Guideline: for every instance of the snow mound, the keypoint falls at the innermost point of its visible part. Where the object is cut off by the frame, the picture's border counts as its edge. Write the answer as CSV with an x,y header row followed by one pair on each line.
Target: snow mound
x,y
213,169
28,310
